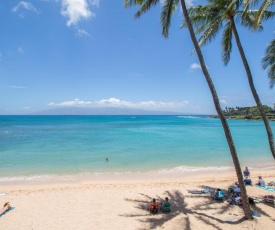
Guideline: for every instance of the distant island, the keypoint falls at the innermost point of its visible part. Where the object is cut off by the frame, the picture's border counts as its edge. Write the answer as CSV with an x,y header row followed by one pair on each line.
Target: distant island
x,y
249,113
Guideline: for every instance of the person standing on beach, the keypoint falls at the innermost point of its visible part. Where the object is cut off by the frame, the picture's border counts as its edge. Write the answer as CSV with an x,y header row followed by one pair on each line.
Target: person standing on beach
x,y
246,172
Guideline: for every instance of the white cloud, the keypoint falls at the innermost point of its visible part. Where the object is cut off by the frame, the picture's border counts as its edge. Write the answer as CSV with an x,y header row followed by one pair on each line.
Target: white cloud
x,y
224,102
94,2
77,10
16,87
114,102
195,66
24,5
81,32
20,50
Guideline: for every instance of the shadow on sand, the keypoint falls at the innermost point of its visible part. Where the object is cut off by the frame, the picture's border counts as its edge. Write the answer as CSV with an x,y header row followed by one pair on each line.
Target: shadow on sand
x,y
181,211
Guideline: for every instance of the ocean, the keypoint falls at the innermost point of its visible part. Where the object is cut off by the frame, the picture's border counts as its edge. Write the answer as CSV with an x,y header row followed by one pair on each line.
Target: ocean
x,y
39,147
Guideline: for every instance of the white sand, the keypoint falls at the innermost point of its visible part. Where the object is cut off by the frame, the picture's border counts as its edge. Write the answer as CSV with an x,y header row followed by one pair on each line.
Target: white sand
x,y
121,204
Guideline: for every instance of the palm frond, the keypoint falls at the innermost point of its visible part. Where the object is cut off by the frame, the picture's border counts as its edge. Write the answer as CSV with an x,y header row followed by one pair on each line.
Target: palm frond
x,y
249,20
267,14
265,5
246,4
210,32
271,76
227,42
145,5
251,2
201,15
130,3
231,7
268,61
166,13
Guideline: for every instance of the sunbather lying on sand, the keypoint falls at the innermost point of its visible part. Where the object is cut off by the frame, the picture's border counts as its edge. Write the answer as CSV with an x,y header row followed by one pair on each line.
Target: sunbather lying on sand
x,y
5,208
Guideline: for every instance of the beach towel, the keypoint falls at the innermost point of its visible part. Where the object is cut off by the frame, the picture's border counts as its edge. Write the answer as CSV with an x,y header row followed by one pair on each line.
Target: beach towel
x,y
266,188
3,194
7,211
204,191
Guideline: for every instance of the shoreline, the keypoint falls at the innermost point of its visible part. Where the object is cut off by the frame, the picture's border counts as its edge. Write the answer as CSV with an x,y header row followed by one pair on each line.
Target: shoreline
x,y
166,175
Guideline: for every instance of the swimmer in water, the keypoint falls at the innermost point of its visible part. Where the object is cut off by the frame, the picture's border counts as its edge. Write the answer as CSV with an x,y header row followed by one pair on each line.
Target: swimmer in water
x,y
107,159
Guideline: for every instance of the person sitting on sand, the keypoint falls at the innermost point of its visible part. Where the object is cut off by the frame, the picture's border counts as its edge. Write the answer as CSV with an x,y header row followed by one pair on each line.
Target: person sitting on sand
x,y
230,191
238,199
237,190
165,206
232,198
247,181
261,182
5,208
246,172
154,206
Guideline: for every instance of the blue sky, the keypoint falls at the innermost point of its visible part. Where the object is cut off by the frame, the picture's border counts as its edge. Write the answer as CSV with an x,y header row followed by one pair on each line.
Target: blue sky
x,y
91,53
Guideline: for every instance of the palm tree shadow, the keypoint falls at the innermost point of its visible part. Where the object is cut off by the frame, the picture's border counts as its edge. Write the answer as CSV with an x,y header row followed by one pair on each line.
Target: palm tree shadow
x,y
180,210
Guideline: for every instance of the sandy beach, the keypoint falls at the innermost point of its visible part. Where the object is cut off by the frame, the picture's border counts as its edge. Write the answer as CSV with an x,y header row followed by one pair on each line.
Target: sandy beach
x,y
122,204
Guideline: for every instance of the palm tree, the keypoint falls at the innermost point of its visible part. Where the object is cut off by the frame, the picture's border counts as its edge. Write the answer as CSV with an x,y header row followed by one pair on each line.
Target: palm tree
x,y
209,19
167,9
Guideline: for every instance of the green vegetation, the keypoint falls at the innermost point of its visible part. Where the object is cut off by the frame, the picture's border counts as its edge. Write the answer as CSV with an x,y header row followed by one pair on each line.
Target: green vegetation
x,y
250,113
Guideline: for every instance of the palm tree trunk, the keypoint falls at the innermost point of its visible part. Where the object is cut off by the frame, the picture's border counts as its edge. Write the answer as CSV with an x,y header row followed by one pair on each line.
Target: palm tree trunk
x,y
253,90
220,113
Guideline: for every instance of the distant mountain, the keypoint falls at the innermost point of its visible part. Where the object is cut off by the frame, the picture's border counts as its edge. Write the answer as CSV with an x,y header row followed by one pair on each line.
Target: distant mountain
x,y
100,111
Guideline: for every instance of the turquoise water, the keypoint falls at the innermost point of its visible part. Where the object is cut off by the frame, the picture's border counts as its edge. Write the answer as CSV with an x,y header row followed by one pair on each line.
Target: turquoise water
x,y
66,145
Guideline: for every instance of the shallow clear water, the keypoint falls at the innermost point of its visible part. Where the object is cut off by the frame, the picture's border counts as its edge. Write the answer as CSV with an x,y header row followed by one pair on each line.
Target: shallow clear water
x,y
66,145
